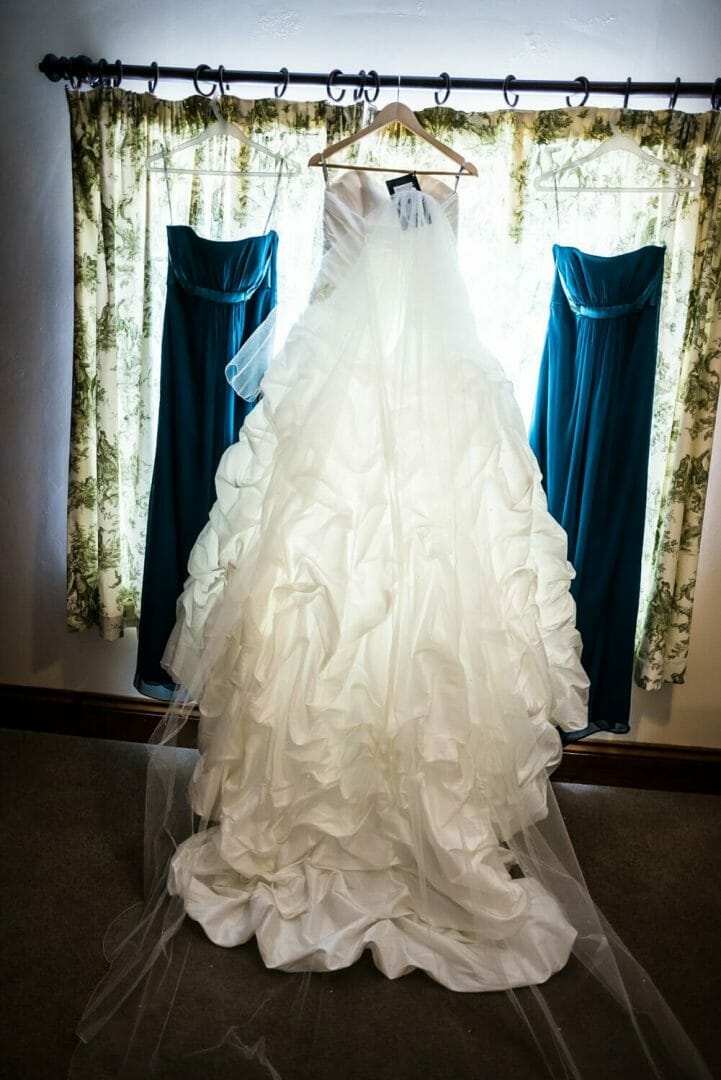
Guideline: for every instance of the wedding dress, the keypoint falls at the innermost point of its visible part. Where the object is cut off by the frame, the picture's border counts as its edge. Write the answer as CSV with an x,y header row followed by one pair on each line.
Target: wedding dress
x,y
378,631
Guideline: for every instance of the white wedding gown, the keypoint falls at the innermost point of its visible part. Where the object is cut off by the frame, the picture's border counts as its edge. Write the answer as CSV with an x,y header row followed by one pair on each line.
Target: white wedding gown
x,y
378,629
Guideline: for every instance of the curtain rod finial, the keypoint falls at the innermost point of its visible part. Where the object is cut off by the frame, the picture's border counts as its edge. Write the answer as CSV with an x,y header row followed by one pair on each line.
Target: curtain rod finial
x,y
49,66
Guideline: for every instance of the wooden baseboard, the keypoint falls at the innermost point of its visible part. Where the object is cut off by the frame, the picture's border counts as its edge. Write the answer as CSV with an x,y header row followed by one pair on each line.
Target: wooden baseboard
x,y
75,712
641,765
108,716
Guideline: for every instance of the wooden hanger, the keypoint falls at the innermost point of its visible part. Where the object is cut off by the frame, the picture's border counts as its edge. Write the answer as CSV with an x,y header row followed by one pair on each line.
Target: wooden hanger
x,y
395,113
682,179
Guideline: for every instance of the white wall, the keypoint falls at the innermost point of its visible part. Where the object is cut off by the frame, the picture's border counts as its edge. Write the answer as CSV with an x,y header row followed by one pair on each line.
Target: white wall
x,y
648,39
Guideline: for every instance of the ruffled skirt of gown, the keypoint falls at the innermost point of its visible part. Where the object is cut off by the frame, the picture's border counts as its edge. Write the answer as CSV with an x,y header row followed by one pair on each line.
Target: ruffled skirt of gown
x,y
379,632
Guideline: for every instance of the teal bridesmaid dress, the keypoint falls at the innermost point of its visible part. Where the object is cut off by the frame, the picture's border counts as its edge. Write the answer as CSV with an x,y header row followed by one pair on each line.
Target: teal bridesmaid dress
x,y
219,292
590,433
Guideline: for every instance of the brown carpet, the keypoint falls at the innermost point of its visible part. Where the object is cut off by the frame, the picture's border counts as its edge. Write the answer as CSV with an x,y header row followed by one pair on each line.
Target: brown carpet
x,y
72,813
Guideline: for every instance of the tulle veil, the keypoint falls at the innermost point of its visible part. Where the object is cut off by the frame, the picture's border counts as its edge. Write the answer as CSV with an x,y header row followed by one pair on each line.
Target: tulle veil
x,y
389,294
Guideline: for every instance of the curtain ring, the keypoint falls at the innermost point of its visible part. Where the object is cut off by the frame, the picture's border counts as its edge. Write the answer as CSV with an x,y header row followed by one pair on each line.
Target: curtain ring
x,y
331,79
98,79
221,80
359,91
716,95
506,86
77,71
118,76
74,80
102,79
674,96
196,77
373,94
152,83
585,90
627,92
279,90
446,93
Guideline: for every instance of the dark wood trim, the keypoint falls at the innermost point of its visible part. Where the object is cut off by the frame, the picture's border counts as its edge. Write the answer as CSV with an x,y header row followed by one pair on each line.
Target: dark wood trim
x,y
108,716
642,765
75,712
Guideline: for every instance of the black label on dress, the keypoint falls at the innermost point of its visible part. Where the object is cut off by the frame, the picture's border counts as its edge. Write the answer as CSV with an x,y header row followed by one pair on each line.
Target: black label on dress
x,y
402,183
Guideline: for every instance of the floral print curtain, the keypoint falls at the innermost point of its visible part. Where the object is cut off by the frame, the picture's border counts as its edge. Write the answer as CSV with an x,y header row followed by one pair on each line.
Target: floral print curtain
x,y
121,212
506,231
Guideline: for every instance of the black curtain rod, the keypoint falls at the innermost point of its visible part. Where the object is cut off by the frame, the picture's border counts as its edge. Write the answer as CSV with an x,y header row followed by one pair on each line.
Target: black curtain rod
x,y
82,71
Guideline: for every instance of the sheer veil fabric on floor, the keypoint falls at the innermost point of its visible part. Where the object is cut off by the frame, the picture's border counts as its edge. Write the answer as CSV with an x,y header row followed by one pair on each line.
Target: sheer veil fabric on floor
x,y
378,630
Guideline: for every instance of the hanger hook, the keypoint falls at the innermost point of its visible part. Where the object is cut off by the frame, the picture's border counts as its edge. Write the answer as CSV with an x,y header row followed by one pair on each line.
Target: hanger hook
x,y
585,90
359,90
674,96
281,88
627,92
329,85
152,83
372,95
201,68
506,87
443,96
716,95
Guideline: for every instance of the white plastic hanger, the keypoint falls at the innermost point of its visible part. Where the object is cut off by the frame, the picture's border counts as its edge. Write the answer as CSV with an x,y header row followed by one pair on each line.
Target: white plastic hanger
x,y
682,179
395,113
158,162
